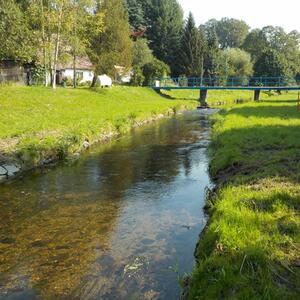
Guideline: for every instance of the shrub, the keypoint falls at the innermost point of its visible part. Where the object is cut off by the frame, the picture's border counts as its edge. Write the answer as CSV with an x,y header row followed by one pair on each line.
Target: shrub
x,y
155,69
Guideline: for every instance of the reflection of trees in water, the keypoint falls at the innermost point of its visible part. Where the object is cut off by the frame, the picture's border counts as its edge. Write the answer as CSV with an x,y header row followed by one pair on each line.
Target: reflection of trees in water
x,y
150,154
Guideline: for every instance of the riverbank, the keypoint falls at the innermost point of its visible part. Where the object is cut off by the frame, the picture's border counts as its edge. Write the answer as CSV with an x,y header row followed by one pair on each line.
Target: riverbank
x,y
40,126
250,248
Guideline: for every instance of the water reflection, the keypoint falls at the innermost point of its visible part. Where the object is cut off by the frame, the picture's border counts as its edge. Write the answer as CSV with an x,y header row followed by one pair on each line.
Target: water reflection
x,y
118,224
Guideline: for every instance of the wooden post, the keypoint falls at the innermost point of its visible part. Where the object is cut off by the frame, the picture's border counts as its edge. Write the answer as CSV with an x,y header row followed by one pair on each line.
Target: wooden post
x,y
298,106
202,99
256,95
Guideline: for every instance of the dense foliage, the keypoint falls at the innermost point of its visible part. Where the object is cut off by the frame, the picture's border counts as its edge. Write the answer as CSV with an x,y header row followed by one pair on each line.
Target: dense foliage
x,y
113,46
135,33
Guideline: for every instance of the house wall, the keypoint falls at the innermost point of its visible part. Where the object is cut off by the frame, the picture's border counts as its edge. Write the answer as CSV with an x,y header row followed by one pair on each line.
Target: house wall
x,y
12,72
87,75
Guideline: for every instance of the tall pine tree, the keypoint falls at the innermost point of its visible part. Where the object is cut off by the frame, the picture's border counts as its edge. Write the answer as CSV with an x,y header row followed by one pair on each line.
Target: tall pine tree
x,y
192,48
164,30
136,14
213,55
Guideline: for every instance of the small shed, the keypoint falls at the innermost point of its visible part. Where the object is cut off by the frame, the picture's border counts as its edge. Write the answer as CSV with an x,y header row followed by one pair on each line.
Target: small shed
x,y
11,71
104,80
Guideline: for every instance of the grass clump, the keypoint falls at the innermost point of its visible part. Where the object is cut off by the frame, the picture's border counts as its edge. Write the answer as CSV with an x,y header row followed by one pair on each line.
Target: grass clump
x,y
37,122
251,246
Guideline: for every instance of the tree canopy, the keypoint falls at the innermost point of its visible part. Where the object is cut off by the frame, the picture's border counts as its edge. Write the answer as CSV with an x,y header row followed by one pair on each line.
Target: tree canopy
x,y
141,35
112,46
15,36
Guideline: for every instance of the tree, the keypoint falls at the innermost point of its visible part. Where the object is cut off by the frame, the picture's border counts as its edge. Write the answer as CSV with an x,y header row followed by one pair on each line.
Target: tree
x,y
192,49
155,70
136,14
142,54
212,58
51,20
231,32
15,35
113,46
255,43
275,38
165,19
271,63
238,63
77,36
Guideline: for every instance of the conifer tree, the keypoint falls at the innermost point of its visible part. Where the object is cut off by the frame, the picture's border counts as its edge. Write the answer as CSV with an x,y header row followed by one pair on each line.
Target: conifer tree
x,y
213,54
192,49
136,14
165,25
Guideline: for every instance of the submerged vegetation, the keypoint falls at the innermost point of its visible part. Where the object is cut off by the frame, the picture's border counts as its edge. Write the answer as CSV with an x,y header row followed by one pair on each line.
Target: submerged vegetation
x,y
38,123
250,248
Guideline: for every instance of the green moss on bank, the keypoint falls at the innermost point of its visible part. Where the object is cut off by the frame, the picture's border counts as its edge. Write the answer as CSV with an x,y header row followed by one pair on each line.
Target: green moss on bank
x,y
37,122
251,247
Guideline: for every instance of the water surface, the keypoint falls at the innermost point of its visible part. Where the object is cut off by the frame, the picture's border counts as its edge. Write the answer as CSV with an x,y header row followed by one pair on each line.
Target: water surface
x,y
120,223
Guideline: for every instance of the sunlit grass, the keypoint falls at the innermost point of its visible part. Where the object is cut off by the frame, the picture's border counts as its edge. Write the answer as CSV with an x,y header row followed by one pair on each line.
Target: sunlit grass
x,y
251,248
36,121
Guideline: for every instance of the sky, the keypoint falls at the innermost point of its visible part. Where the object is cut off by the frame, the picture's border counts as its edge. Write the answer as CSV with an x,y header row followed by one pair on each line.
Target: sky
x,y
257,13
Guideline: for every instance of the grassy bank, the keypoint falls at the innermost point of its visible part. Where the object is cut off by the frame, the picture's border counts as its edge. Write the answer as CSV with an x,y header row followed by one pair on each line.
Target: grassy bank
x,y
250,249
38,123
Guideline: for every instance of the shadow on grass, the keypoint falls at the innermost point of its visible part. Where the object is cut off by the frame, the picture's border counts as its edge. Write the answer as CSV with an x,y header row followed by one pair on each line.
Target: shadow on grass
x,y
166,96
279,101
256,152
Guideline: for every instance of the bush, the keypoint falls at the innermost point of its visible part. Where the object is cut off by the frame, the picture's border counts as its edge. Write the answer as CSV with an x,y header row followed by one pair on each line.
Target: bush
x,y
138,77
154,70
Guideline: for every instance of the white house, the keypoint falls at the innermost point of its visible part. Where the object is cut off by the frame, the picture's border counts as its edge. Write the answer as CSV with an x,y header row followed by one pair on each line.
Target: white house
x,y
84,71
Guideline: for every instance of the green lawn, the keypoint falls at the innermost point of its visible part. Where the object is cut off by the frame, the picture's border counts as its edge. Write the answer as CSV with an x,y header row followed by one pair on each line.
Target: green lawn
x,y
251,246
213,97
37,122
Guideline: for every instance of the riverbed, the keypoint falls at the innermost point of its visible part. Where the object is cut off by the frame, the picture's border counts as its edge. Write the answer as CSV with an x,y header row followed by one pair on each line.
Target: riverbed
x,y
122,222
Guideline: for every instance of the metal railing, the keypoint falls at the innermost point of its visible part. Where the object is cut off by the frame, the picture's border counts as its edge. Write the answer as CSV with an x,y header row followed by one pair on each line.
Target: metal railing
x,y
219,81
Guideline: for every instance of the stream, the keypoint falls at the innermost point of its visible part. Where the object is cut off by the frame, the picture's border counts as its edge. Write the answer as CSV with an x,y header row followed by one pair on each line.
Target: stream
x,y
122,222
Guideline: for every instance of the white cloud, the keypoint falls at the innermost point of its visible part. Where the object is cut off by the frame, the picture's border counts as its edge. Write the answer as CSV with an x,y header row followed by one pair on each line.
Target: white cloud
x,y
257,13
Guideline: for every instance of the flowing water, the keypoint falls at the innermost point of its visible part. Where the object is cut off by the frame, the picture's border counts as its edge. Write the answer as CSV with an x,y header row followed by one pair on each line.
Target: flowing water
x,y
120,223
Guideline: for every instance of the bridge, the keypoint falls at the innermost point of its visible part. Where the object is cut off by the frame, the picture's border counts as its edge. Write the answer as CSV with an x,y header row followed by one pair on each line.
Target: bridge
x,y
204,84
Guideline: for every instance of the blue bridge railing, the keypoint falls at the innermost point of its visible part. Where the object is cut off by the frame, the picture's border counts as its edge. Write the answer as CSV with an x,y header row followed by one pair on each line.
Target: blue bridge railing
x,y
198,82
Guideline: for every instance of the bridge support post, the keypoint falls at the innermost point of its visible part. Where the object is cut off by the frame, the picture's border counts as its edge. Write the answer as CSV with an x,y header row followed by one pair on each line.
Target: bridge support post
x,y
256,95
203,97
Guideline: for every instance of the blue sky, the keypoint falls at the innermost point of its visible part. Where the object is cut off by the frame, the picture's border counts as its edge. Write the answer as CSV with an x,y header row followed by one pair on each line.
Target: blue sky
x,y
257,13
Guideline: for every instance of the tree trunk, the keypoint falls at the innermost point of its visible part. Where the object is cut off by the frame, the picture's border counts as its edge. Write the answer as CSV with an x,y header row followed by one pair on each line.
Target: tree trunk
x,y
202,99
74,45
74,70
44,43
94,81
57,43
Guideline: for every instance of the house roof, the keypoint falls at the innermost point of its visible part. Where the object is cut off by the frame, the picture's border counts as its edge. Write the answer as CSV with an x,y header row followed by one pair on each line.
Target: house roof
x,y
82,63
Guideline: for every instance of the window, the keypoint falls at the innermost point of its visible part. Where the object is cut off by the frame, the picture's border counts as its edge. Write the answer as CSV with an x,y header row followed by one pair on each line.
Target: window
x,y
79,75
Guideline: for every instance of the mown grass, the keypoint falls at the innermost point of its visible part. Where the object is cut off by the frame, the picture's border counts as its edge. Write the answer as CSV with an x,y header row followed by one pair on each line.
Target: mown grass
x,y
214,98
251,246
37,122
